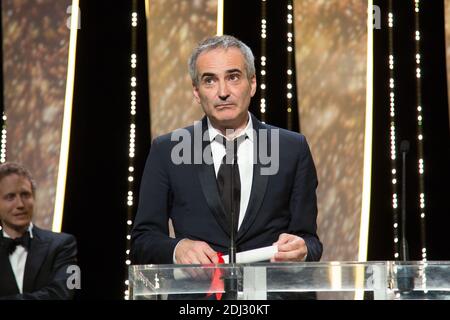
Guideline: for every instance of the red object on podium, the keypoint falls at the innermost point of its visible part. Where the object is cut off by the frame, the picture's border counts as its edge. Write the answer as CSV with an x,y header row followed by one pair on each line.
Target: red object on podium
x,y
217,282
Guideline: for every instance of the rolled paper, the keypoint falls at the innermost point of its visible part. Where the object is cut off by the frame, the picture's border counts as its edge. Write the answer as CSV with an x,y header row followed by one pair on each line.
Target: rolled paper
x,y
255,255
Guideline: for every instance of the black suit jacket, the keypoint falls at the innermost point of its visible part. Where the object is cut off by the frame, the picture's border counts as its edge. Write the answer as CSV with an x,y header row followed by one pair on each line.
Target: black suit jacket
x,y
45,275
188,194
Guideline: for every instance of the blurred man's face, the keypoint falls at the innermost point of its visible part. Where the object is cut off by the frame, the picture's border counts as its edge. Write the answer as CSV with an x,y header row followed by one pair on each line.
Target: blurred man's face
x,y
16,204
224,90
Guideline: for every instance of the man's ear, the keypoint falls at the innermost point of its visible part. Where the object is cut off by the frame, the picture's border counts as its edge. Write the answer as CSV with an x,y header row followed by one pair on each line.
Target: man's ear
x,y
253,85
196,93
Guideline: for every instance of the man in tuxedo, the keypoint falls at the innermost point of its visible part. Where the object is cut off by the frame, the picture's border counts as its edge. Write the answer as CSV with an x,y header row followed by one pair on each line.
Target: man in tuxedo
x,y
33,262
191,182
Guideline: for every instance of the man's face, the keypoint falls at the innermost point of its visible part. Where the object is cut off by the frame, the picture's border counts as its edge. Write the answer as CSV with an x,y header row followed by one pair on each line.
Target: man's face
x,y
16,202
224,90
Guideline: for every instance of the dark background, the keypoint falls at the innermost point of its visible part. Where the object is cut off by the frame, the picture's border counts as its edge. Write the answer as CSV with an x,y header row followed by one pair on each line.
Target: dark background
x,y
436,131
95,205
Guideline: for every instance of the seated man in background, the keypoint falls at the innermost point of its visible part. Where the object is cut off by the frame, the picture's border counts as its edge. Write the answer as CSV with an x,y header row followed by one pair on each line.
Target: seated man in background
x,y
33,262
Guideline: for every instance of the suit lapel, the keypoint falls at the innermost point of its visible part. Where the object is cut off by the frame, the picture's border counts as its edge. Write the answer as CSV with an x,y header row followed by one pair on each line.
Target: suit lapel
x,y
208,182
259,184
8,283
36,255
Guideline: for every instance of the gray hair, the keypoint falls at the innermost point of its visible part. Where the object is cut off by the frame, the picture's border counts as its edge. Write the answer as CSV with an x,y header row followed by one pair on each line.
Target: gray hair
x,y
9,168
222,42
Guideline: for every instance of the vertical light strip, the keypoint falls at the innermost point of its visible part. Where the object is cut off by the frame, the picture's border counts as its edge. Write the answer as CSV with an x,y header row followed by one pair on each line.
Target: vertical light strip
x,y
132,139
421,164
289,54
393,130
67,119
3,141
220,9
263,61
367,171
149,60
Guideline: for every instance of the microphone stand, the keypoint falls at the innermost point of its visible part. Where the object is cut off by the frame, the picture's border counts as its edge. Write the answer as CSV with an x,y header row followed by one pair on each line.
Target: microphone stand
x,y
405,278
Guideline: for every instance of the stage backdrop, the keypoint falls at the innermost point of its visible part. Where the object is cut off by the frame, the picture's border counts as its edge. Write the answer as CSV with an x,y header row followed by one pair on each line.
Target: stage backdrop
x,y
35,57
174,27
331,61
331,57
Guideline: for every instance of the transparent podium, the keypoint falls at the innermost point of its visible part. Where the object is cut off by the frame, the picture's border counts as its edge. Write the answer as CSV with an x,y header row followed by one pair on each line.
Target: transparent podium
x,y
383,280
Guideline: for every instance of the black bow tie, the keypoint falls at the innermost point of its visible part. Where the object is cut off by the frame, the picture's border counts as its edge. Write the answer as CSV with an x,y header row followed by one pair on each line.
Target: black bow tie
x,y
11,244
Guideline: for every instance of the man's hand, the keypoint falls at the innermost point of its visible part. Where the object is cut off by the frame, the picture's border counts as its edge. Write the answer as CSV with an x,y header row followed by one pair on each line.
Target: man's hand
x,y
290,248
195,252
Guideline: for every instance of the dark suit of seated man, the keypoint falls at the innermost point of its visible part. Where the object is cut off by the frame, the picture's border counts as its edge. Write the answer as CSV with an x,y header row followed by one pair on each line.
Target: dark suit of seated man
x,y
275,198
33,262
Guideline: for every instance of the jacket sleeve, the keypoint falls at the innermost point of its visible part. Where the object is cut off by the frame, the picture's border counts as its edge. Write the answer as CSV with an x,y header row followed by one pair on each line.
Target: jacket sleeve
x,y
150,241
303,203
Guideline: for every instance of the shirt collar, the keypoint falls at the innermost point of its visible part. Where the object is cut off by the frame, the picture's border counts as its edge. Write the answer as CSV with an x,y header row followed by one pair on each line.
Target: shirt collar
x,y
213,132
30,230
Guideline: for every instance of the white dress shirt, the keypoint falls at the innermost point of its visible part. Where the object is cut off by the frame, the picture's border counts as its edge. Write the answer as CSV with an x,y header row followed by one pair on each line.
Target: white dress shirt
x,y
18,259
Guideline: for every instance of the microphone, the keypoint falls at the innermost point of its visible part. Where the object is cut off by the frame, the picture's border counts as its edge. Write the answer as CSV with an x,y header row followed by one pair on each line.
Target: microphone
x,y
231,280
233,209
405,276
